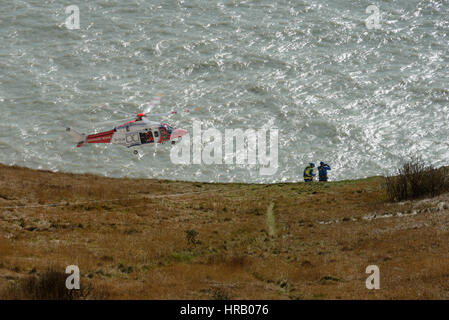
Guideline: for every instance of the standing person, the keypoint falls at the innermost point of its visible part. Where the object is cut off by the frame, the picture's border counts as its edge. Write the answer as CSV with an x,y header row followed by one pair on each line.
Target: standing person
x,y
308,172
322,171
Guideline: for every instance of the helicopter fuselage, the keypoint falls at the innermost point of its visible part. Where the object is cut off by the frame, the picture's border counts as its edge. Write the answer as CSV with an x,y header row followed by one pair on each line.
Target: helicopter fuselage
x,y
136,132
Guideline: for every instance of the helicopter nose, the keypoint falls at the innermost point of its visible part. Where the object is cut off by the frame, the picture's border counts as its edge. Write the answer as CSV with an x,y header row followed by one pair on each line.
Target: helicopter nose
x,y
178,133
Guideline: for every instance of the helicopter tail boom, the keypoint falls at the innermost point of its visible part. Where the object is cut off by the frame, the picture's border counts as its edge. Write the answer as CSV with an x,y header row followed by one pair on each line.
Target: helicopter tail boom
x,y
102,137
80,139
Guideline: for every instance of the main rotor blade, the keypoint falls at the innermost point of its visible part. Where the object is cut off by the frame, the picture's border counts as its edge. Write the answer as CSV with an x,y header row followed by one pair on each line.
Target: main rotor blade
x,y
172,112
113,121
150,105
106,107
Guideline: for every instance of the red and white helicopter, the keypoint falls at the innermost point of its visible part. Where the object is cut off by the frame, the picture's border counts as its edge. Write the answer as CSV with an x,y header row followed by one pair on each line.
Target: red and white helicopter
x,y
135,132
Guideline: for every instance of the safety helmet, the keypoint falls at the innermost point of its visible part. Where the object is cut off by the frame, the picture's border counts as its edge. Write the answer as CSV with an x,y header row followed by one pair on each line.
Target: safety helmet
x,y
312,164
321,163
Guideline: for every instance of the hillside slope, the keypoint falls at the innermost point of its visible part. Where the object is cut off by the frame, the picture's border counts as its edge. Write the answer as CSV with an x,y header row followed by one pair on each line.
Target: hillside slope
x,y
152,239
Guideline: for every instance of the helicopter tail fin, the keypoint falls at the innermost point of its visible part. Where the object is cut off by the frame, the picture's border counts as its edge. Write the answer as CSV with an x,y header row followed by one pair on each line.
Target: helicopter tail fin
x,y
78,137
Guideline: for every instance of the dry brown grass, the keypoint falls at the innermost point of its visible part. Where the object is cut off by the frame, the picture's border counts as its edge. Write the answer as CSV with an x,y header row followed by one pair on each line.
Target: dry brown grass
x,y
136,248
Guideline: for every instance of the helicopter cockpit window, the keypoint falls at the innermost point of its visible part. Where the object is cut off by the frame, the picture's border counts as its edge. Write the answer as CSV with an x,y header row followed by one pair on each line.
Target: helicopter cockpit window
x,y
169,129
156,134
164,133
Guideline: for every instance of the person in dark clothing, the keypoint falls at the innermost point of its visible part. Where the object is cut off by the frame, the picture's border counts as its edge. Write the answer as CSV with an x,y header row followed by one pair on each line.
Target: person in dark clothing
x,y
322,171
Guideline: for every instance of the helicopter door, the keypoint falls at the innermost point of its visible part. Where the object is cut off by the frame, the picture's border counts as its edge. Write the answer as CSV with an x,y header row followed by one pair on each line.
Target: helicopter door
x,y
146,137
132,139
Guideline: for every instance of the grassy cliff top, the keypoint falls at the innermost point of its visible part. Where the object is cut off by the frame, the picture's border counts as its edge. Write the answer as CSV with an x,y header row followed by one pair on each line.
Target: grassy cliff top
x,y
153,239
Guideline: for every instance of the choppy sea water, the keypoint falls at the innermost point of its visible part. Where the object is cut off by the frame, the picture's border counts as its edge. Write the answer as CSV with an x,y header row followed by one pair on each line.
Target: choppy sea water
x,y
359,99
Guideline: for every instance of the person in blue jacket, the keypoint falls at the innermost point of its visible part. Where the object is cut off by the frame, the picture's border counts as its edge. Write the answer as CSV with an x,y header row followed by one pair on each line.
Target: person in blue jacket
x,y
308,172
322,171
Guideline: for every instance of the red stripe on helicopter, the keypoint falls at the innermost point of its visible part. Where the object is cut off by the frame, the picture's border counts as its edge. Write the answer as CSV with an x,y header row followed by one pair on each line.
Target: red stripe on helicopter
x,y
123,125
102,137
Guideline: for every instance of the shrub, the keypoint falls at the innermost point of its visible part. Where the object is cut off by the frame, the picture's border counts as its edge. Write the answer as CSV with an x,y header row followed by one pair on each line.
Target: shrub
x,y
218,293
415,179
191,237
49,285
